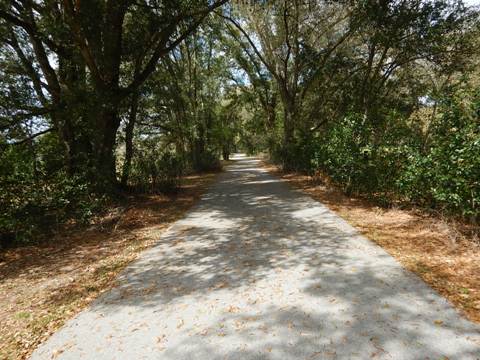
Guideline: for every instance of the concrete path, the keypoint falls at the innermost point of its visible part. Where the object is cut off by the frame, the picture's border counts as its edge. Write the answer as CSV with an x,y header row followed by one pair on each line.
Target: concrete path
x,y
259,271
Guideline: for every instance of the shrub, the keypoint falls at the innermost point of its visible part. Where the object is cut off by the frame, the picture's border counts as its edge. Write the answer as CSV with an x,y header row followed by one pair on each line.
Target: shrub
x,y
207,161
392,160
154,172
447,175
33,205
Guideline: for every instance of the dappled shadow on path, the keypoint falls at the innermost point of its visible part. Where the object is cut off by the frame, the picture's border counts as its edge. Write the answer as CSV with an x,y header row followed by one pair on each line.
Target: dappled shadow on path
x,y
258,271
236,237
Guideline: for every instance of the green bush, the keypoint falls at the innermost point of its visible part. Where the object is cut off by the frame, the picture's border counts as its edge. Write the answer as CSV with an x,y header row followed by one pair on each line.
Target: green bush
x,y
33,202
207,161
155,172
446,176
359,157
394,161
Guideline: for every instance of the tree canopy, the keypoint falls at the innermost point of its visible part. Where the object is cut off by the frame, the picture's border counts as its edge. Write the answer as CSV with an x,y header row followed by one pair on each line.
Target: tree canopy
x,y
98,97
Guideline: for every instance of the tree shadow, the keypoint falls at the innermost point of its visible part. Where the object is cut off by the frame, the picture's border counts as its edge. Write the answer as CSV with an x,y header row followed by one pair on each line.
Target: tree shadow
x,y
258,271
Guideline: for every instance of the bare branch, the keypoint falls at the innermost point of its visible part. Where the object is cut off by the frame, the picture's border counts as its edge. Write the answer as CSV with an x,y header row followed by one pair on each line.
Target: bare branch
x,y
30,138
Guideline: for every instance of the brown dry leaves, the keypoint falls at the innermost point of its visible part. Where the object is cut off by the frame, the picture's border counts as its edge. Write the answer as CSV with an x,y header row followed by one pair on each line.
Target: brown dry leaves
x,y
43,286
437,251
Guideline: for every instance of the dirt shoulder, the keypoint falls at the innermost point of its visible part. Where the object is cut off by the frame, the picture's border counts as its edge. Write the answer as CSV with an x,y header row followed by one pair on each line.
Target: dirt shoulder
x,y
43,286
437,251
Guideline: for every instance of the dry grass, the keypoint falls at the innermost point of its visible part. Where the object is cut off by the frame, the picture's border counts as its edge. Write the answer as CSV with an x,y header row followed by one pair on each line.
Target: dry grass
x,y
438,251
43,286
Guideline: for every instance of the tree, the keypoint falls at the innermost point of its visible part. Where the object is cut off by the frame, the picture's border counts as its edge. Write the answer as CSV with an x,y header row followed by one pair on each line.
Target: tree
x,y
294,40
88,39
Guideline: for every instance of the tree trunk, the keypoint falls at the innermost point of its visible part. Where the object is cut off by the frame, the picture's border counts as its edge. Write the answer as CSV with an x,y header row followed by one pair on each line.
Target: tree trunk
x,y
226,152
271,120
73,111
105,178
76,140
129,140
288,135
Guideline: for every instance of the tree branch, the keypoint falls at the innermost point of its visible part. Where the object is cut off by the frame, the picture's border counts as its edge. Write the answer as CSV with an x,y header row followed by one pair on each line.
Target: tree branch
x,y
162,49
33,136
250,41
82,43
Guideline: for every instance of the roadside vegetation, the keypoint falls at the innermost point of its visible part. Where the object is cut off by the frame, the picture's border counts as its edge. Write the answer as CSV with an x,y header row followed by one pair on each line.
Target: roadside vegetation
x,y
45,284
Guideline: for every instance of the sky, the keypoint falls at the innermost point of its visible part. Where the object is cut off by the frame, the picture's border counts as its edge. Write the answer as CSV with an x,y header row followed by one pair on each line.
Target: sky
x,y
472,2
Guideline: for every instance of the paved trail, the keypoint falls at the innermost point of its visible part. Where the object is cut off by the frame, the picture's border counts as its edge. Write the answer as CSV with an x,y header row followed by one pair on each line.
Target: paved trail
x,y
259,271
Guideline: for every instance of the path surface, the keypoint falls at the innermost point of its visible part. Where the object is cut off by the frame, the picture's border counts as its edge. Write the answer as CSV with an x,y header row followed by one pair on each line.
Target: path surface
x,y
259,271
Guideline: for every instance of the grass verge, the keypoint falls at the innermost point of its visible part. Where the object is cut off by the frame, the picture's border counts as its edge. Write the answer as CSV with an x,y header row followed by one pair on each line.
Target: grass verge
x,y
43,286
437,250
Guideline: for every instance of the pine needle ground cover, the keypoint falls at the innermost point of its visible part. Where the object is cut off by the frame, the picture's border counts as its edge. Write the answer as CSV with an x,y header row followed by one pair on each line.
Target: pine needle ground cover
x,y
444,253
43,286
